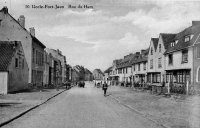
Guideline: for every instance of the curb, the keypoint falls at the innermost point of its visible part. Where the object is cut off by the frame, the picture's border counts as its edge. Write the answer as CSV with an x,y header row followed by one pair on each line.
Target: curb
x,y
28,110
139,113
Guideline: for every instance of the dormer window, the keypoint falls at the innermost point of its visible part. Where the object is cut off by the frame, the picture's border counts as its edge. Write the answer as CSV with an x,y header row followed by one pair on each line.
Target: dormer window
x,y
159,47
187,38
176,41
191,36
151,51
172,44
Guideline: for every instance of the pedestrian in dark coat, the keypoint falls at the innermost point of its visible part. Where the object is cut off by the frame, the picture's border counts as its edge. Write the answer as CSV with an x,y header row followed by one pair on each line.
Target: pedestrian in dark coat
x,y
105,87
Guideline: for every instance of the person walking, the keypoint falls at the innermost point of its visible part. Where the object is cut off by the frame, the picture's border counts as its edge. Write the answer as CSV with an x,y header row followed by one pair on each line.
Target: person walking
x,y
105,87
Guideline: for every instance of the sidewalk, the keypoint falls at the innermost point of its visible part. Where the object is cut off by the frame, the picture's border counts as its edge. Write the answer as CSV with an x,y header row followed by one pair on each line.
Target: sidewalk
x,y
177,111
14,105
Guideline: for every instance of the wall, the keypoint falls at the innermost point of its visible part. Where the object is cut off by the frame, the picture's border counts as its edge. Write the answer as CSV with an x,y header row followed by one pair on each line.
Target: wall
x,y
3,82
159,54
196,66
151,57
18,77
46,69
37,69
177,61
12,31
56,54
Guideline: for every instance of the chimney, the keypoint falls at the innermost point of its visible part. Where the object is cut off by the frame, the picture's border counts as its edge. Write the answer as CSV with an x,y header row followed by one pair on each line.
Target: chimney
x,y
32,31
5,9
194,23
142,51
137,53
21,21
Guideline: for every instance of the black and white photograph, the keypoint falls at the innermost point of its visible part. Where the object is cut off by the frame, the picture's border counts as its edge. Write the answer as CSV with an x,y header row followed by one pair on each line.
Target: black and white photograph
x,y
100,63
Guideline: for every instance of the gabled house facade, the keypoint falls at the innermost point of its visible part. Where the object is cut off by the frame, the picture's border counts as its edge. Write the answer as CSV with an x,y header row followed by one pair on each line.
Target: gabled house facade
x,y
14,30
114,73
163,43
152,75
13,67
180,57
98,74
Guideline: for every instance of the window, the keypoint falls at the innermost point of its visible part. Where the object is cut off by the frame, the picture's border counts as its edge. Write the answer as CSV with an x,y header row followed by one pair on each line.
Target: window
x,y
172,44
148,78
187,38
159,47
151,64
198,51
16,62
144,65
185,56
151,51
170,56
23,64
160,62
198,74
33,55
139,67
134,67
156,78
176,41
180,77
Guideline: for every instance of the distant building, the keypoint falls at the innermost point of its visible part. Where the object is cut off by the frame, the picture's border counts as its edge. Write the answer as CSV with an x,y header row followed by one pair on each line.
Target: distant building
x,y
106,75
68,72
98,74
88,75
58,64
13,67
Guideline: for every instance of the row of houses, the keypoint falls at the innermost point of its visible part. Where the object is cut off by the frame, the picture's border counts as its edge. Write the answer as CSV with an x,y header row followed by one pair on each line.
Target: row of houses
x,y
25,60
79,73
171,58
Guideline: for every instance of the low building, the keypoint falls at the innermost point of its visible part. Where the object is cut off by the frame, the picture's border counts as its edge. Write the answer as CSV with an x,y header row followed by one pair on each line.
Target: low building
x,y
13,67
139,66
124,70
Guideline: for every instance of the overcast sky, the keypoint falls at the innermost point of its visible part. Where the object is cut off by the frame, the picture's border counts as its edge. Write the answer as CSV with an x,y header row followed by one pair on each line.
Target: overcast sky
x,y
112,29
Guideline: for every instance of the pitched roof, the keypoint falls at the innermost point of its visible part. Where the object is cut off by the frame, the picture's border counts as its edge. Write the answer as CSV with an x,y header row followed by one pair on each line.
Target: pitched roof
x,y
108,70
99,71
181,44
7,50
127,61
167,38
155,42
33,37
